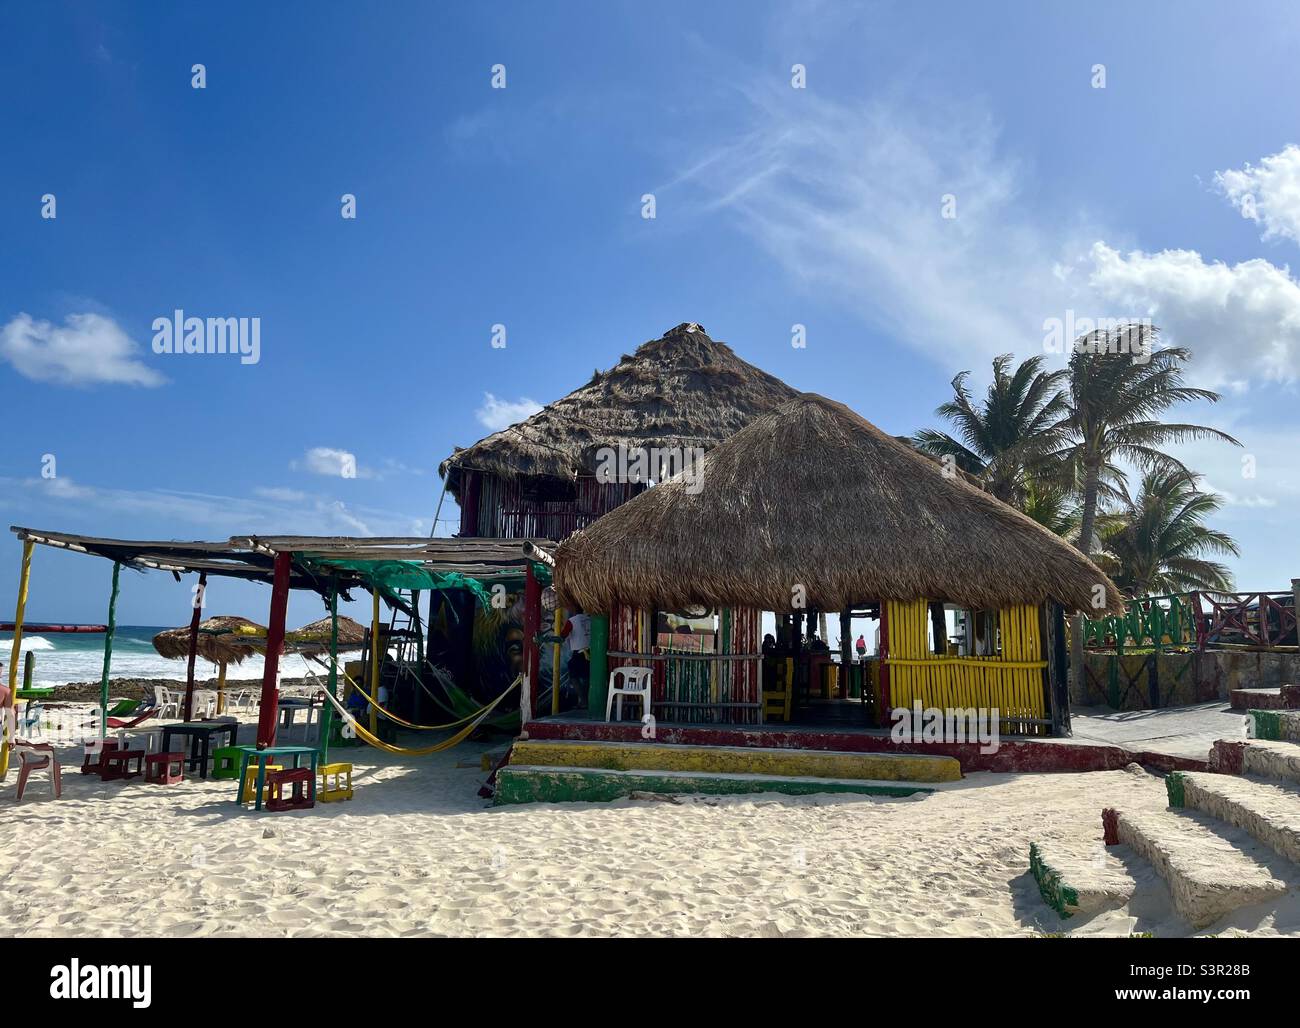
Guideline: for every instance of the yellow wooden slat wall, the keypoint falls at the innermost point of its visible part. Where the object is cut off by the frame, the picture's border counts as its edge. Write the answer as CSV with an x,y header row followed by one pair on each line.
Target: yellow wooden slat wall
x,y
1012,683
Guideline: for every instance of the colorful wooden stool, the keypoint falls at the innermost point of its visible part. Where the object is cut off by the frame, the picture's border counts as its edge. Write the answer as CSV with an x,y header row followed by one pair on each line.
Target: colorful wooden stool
x,y
164,768
225,761
248,791
302,784
337,789
118,764
93,761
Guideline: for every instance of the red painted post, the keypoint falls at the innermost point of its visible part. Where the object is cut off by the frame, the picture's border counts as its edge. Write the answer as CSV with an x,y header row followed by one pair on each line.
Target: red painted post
x,y
882,657
194,644
267,716
532,624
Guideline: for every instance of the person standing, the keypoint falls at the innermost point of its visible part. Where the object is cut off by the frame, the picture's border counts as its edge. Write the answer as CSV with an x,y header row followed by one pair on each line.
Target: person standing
x,y
577,629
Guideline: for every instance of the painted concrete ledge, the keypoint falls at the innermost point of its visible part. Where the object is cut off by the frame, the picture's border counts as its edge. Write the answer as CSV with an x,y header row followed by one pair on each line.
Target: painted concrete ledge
x,y
617,756
1271,759
1073,882
531,784
1270,813
1278,725
1208,877
1012,754
1257,699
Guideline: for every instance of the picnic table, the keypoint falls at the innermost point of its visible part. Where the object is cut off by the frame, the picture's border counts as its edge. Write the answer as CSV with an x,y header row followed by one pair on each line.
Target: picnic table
x,y
200,734
263,757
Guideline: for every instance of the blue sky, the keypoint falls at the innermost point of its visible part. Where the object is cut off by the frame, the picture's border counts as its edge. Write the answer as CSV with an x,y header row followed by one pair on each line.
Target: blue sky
x,y
1172,192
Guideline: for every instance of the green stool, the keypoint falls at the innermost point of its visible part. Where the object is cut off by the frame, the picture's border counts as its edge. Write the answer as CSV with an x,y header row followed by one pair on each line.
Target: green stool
x,y
226,761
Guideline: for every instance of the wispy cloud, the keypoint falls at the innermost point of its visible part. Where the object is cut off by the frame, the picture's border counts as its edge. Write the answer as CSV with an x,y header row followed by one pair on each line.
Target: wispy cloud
x,y
1268,193
327,460
86,350
497,413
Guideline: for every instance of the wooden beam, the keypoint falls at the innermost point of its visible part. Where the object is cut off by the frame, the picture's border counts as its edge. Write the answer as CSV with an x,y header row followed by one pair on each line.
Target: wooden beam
x,y
194,644
269,714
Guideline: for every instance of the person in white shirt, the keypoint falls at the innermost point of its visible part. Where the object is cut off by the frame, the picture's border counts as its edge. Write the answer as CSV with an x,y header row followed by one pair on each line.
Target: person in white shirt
x,y
577,629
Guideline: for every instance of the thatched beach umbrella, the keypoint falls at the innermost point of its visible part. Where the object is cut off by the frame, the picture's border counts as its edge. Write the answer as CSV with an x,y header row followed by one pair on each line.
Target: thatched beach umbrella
x,y
315,637
223,640
811,494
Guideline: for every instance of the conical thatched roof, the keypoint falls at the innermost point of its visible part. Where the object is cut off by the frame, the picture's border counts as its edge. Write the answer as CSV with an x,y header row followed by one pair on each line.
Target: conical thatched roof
x,y
215,645
684,390
316,635
812,495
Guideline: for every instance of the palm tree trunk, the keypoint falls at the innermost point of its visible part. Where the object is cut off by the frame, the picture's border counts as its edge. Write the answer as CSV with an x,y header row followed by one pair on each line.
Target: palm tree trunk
x,y
1091,476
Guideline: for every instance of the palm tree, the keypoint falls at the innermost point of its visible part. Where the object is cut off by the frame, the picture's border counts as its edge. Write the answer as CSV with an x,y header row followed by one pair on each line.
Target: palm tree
x,y
1119,385
1008,439
1158,542
1053,506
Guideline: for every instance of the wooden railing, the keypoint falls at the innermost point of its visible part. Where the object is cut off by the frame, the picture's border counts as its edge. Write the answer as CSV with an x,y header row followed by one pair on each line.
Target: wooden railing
x,y
1205,620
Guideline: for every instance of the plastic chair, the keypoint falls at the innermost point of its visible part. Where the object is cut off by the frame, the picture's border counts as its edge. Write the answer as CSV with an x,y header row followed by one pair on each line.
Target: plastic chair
x,y
34,757
636,682
167,701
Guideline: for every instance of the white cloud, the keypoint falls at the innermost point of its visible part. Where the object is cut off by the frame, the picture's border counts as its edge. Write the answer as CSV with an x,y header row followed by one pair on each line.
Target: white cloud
x,y
1240,321
497,414
326,460
280,495
1268,193
88,349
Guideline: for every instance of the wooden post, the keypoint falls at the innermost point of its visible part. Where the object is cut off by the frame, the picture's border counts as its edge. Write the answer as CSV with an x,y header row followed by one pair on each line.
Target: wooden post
x,y
268,716
221,687
532,627
327,709
599,666
10,723
882,662
846,652
194,644
374,659
555,662
108,653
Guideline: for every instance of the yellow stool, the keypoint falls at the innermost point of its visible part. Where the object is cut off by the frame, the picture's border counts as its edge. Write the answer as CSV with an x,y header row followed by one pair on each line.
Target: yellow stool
x,y
336,790
249,788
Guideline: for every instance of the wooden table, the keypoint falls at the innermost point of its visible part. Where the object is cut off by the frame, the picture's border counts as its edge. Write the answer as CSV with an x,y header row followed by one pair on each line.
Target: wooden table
x,y
263,757
200,733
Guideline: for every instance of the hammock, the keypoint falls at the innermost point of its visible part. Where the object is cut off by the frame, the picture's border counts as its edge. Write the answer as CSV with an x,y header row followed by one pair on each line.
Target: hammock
x,y
393,717
446,744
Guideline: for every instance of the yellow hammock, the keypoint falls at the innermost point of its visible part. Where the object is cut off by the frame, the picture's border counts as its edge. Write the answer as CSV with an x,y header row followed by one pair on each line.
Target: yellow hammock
x,y
446,744
393,717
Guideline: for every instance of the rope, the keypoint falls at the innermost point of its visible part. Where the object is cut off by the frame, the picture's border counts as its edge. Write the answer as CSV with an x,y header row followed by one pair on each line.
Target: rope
x,y
446,744
393,717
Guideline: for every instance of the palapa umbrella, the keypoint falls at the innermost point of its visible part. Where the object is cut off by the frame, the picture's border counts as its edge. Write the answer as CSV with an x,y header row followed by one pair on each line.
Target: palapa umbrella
x,y
224,639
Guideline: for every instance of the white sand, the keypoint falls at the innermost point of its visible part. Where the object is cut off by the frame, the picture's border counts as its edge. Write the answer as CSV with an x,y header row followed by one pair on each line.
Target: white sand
x,y
417,852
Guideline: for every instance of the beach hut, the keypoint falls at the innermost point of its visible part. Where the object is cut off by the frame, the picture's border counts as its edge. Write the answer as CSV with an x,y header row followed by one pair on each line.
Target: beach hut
x,y
811,508
540,478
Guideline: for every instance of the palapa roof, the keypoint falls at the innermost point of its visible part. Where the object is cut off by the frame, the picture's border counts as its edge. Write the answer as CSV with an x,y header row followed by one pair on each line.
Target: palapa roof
x,y
811,494
682,390
219,640
316,636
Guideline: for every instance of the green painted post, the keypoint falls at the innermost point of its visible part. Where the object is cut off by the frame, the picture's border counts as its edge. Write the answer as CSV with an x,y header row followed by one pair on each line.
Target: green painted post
x,y
327,713
29,668
599,665
108,653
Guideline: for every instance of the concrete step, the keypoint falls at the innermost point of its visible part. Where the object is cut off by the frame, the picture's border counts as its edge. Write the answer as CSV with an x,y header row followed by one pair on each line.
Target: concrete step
x,y
1269,812
1208,877
1074,878
616,756
1256,698
1269,759
1278,725
522,783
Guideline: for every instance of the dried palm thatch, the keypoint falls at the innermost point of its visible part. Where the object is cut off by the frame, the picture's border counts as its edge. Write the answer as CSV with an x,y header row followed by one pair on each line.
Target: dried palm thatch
x,y
683,390
811,495
316,636
219,640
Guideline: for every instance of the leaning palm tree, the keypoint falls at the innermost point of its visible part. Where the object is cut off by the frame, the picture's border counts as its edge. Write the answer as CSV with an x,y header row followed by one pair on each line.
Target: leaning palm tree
x,y
1008,438
1158,543
1119,385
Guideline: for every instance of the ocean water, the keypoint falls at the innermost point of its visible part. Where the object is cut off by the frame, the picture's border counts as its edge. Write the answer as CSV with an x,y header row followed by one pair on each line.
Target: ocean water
x,y
65,657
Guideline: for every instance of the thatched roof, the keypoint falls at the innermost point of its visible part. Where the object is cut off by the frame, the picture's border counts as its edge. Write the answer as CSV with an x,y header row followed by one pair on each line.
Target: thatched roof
x,y
316,636
684,390
811,494
219,640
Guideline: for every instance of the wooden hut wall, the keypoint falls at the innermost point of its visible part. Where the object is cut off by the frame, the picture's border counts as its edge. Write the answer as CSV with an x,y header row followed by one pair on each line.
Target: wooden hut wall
x,y
690,690
502,508
1013,682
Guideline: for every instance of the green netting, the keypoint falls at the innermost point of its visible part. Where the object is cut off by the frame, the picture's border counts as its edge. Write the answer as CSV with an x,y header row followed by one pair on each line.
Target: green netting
x,y
391,576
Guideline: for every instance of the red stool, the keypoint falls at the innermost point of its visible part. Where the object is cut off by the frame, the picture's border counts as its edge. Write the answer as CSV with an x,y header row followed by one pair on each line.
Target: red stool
x,y
303,784
93,762
33,757
117,764
164,768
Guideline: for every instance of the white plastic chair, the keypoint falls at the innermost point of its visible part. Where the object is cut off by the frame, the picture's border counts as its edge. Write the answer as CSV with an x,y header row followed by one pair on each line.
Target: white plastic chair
x,y
168,701
636,682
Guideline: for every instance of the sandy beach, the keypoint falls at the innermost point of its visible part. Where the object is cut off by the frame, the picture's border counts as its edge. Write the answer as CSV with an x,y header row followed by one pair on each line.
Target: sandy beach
x,y
417,852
